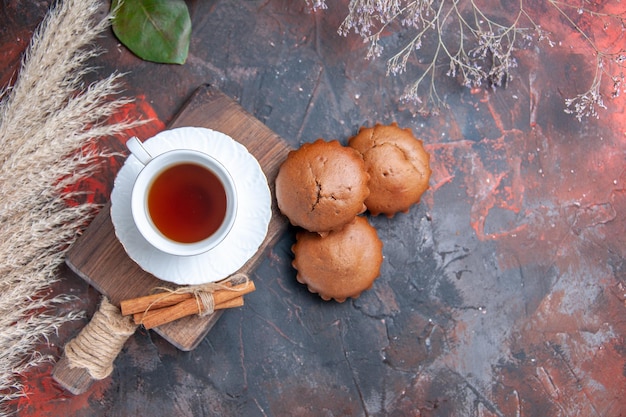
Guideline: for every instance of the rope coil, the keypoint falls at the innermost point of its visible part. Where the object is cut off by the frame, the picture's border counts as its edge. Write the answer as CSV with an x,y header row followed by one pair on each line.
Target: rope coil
x,y
98,344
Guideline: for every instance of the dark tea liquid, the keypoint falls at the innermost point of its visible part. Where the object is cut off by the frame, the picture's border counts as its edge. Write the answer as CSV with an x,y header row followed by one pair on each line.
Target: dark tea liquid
x,y
187,203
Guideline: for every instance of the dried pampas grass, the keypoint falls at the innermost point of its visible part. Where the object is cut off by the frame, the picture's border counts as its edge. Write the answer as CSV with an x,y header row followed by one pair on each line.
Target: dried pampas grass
x,y
46,118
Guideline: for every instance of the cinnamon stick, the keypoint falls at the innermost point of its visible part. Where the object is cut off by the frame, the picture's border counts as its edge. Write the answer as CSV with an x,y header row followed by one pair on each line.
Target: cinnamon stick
x,y
164,299
153,318
139,317
152,301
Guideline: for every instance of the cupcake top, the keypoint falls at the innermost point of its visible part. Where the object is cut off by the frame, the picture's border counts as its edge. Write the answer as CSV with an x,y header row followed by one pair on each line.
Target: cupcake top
x,y
398,165
322,186
340,265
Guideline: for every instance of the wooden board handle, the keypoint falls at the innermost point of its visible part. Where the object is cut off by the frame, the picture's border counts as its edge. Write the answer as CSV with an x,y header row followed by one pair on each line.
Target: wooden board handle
x,y
90,355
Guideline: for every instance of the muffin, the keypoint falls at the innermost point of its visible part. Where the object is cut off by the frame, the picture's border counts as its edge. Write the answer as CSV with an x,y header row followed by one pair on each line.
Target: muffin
x,y
398,166
343,264
322,186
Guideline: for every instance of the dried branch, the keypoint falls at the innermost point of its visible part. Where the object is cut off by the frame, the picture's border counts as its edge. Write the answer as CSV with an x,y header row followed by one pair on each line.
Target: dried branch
x,y
482,53
608,63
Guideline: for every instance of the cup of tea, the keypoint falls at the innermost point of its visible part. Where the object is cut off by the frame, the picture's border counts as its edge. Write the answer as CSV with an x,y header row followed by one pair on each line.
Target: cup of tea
x,y
183,202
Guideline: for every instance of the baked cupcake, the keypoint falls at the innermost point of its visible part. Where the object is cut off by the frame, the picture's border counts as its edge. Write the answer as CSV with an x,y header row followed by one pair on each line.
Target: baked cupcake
x,y
343,264
398,166
322,186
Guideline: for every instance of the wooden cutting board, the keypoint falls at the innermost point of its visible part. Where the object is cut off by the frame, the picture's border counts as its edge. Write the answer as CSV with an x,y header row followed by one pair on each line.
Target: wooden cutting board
x,y
99,258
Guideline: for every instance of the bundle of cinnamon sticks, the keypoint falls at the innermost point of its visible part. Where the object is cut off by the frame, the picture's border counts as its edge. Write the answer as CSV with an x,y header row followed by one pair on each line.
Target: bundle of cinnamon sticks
x,y
164,307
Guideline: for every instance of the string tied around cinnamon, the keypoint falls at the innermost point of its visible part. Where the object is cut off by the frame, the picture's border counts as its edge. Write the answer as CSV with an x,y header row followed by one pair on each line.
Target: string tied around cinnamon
x,y
203,293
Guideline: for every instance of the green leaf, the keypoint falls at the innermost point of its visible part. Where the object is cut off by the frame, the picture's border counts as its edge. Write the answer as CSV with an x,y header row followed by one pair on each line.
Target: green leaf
x,y
154,30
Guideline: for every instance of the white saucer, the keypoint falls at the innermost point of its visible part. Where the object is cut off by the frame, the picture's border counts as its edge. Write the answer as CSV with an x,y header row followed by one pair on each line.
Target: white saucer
x,y
248,232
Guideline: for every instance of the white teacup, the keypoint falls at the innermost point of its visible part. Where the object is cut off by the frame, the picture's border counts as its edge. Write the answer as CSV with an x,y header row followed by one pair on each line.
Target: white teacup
x,y
183,202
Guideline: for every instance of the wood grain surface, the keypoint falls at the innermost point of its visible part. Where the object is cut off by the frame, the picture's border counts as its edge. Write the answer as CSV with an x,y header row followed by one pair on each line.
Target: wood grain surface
x,y
99,258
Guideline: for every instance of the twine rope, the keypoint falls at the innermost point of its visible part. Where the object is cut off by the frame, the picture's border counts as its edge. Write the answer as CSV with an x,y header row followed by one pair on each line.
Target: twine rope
x,y
98,344
203,293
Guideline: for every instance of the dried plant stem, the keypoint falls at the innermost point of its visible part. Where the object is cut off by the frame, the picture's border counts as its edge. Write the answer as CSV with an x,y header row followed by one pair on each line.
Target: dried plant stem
x,y
478,48
609,63
46,118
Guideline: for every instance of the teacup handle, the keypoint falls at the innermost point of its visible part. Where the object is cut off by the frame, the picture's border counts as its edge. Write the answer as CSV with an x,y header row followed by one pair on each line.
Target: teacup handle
x,y
135,146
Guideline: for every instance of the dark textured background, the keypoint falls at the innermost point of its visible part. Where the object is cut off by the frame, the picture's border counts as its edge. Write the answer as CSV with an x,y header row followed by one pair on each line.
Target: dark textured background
x,y
501,294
